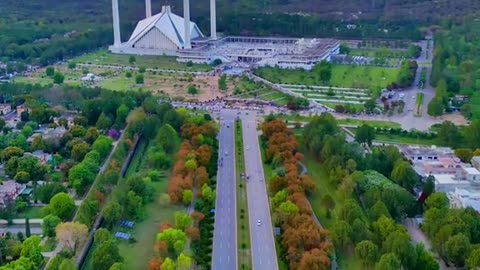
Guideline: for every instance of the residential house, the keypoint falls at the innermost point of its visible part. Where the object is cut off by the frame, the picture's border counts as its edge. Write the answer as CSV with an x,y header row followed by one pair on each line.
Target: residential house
x,y
463,198
9,191
416,153
5,109
20,109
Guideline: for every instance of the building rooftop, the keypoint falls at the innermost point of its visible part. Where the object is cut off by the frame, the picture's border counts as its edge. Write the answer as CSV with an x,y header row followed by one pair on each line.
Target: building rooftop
x,y
472,171
448,179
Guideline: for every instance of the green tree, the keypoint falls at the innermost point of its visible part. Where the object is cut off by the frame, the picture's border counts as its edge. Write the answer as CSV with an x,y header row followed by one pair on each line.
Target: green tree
x,y
142,69
341,234
465,154
27,131
103,122
182,220
79,151
61,205
72,65
184,262
174,238
68,264
377,210
404,175
344,49
400,244
187,196
132,60
288,209
435,107
388,261
437,200
222,83
122,113
112,213
28,233
192,90
208,194
58,78
50,71
367,252
365,134
425,260
49,224
168,264
102,235
32,250
102,145
105,255
449,135
370,105
166,138
139,79
473,261
456,249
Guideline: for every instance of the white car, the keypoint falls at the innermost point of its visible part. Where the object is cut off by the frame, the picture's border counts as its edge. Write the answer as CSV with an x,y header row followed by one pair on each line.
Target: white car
x,y
248,147
259,223
226,153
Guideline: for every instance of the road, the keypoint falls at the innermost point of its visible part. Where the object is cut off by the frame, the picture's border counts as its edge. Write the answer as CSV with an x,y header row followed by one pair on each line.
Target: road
x,y
224,254
262,242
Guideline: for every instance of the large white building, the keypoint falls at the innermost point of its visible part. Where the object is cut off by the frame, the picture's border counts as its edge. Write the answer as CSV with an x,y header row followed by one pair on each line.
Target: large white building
x,y
169,34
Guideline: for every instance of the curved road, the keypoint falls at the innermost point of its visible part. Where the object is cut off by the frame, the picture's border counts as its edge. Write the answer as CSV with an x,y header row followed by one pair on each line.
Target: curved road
x,y
224,253
263,251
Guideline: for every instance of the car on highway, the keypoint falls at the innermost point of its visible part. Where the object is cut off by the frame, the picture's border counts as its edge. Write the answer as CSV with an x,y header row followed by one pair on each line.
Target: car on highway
x,y
248,147
228,126
259,222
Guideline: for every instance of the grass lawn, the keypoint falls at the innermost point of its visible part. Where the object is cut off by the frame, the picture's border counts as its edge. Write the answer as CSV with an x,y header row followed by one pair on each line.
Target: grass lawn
x,y
137,255
31,212
475,105
347,121
243,228
324,187
404,140
103,57
342,76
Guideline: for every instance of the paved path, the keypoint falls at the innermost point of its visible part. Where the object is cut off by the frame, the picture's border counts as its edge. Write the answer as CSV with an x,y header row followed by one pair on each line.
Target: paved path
x,y
263,245
224,254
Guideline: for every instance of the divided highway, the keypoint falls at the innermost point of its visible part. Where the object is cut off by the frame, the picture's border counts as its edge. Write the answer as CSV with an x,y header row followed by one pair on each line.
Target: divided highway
x,y
224,254
261,231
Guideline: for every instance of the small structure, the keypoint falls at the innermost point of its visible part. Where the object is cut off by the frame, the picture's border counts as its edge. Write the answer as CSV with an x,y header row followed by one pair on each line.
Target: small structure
x,y
90,77
463,198
413,153
122,235
127,224
9,191
5,109
20,109
476,162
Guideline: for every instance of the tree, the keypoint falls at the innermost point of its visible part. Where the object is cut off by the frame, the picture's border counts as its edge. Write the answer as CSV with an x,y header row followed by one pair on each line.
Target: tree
x,y
168,264
473,261
456,249
449,135
288,209
435,107
103,122
174,238
71,235
341,234
112,213
132,60
222,83
315,259
72,65
425,260
32,250
79,151
122,113
117,266
68,264
400,244
370,105
27,131
377,210
28,233
193,233
344,49
142,69
388,261
182,220
61,205
166,138
58,78
50,71
404,175
22,177
139,79
49,224
192,90
367,252
465,154
184,262
105,255
437,200
187,196
10,152
102,145
365,134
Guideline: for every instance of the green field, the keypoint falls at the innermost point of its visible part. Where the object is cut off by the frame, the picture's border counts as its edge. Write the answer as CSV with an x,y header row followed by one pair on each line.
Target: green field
x,y
103,57
31,212
137,255
243,228
475,105
324,186
347,121
369,77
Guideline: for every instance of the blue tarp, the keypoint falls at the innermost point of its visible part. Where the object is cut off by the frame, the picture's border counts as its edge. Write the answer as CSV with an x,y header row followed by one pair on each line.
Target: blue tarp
x,y
127,224
122,235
